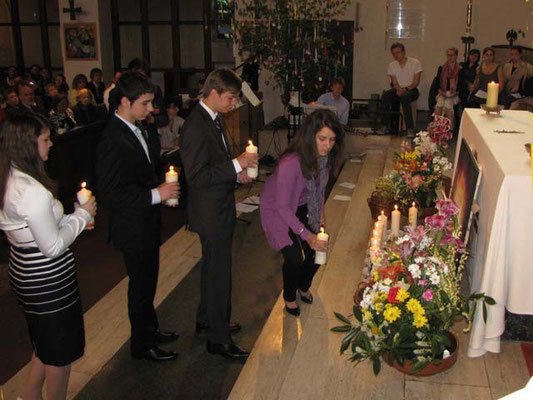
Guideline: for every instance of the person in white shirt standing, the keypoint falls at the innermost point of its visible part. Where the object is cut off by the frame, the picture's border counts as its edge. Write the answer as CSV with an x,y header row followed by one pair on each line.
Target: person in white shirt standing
x,y
404,73
335,99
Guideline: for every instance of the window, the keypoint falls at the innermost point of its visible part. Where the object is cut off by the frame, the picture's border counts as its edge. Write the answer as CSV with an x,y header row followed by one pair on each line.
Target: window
x,y
406,19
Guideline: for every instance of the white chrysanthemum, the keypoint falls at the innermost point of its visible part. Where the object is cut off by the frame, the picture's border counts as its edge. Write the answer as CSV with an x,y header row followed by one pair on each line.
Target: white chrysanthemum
x,y
434,278
414,269
402,239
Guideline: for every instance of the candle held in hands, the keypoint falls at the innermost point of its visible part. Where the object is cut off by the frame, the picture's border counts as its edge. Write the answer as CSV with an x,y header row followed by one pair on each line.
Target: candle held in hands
x,y
321,256
171,176
252,172
83,196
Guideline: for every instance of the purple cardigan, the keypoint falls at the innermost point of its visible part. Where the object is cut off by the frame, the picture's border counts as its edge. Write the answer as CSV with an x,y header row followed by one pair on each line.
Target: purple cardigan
x,y
284,191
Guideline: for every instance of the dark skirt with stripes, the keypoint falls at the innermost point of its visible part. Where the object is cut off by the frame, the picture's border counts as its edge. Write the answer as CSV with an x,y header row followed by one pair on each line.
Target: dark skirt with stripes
x,y
47,290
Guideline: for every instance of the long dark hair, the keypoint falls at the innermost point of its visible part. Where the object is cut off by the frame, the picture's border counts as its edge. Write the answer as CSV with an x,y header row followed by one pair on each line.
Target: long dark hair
x,y
18,148
304,143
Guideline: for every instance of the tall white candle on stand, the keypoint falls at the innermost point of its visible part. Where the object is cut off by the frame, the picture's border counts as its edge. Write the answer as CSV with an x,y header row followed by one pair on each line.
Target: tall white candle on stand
x,y
493,89
321,256
384,220
413,214
395,221
252,171
171,176
84,195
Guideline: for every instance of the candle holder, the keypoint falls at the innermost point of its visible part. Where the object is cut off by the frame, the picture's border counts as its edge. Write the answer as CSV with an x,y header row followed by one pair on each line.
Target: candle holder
x,y
489,110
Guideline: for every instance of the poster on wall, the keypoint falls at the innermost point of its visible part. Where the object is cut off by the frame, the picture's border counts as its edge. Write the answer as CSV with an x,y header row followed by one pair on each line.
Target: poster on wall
x,y
81,41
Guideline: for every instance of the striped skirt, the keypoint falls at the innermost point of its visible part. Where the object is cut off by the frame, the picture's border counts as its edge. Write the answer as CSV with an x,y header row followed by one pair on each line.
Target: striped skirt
x,y
47,290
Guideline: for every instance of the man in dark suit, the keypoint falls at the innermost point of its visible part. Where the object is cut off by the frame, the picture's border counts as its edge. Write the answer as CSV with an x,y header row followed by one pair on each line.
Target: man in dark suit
x,y
28,101
129,180
97,86
211,175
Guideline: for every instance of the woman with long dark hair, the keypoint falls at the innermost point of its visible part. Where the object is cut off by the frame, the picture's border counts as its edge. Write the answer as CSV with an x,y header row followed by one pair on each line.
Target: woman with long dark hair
x,y
292,202
42,269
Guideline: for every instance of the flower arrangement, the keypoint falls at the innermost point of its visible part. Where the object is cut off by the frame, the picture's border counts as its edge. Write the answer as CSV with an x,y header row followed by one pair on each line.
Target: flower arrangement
x,y
412,295
419,171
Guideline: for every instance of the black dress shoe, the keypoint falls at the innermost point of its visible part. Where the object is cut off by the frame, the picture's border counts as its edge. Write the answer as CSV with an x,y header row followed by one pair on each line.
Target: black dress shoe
x,y
293,311
306,299
156,354
230,350
234,327
166,337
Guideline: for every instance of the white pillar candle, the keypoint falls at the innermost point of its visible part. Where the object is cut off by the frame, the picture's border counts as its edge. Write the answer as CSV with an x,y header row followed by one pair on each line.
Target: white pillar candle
x,y
384,220
171,176
84,195
395,221
321,256
376,235
413,214
374,247
492,94
252,171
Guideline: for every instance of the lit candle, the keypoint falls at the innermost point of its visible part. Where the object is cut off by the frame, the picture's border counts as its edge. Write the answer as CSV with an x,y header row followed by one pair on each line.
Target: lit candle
x,y
492,94
376,236
413,213
321,256
84,195
384,220
374,247
171,176
251,171
395,221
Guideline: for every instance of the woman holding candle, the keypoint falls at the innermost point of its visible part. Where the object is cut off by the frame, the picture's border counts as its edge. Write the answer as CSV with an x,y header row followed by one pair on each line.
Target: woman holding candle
x,y
487,73
42,269
292,202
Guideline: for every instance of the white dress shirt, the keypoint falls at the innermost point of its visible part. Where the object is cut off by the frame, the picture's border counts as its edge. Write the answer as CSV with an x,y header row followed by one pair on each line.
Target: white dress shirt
x,y
213,115
156,198
31,217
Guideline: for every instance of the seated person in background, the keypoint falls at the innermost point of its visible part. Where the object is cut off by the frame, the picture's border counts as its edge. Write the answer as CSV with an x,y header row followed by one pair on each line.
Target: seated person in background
x,y
50,92
61,84
12,103
28,101
335,99
96,85
404,73
447,96
515,74
79,82
467,75
487,72
169,134
110,88
10,79
61,116
85,111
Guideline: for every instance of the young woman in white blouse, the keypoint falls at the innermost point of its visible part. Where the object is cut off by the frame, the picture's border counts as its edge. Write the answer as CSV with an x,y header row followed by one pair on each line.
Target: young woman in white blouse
x,y
42,269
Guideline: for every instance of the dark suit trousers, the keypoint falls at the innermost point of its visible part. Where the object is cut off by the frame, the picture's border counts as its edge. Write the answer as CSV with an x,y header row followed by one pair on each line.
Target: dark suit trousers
x,y
390,99
299,266
215,286
143,270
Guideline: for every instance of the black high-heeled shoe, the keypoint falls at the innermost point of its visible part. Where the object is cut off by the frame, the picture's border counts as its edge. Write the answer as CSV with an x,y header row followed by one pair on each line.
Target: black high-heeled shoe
x,y
293,311
306,299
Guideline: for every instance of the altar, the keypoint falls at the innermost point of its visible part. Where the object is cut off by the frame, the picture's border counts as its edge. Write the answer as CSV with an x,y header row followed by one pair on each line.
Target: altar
x,y
500,250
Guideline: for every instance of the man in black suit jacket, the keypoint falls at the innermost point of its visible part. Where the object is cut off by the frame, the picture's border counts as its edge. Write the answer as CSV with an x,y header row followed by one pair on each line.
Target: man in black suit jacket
x,y
97,86
129,180
211,175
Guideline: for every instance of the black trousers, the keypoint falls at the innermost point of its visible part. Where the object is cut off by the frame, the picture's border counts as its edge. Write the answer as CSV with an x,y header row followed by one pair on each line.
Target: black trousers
x,y
143,270
390,101
215,286
299,266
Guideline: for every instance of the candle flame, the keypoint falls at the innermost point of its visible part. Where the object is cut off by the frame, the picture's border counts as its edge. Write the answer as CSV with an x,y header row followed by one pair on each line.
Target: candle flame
x,y
250,143
83,184
396,206
321,229
171,168
413,203
382,212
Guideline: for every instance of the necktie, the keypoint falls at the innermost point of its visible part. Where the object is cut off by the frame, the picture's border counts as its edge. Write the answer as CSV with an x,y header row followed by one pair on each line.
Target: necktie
x,y
218,124
144,133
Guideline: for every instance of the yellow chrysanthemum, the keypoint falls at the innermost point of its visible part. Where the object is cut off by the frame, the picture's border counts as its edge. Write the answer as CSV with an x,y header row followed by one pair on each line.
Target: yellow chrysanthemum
x,y
387,306
415,307
402,295
392,314
378,307
420,320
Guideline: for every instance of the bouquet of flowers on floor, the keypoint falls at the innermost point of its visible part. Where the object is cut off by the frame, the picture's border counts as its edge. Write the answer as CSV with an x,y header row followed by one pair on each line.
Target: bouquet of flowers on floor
x,y
419,170
411,297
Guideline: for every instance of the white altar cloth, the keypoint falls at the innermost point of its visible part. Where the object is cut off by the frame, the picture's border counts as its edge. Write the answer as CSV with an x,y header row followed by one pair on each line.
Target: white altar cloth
x,y
501,262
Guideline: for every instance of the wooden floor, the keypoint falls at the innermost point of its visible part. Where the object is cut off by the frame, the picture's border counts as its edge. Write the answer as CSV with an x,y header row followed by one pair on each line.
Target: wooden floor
x,y
298,358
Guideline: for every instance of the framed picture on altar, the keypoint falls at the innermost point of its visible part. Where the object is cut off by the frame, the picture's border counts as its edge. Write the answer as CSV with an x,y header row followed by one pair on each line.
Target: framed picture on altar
x,y
465,186
81,41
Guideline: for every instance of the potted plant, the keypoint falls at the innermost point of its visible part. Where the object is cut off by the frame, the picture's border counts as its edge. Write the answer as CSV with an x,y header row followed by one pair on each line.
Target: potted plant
x,y
412,298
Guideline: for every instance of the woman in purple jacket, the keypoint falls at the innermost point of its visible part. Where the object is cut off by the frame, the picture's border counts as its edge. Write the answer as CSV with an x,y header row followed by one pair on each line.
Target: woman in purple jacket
x,y
292,202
